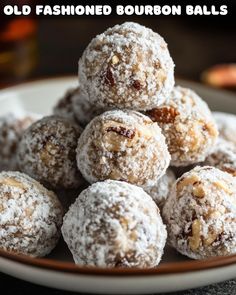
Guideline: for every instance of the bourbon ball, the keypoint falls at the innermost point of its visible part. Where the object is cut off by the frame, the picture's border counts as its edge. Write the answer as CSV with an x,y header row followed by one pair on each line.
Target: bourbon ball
x,y
200,213
122,145
76,107
30,216
11,129
223,157
114,224
127,66
64,106
160,191
226,124
84,111
47,152
188,126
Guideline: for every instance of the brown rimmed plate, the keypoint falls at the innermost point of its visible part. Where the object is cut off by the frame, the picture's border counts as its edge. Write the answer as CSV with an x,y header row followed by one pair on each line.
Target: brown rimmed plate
x,y
58,270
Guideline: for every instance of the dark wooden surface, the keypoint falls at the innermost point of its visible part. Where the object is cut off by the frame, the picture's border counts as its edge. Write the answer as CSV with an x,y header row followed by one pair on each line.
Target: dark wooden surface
x,y
194,45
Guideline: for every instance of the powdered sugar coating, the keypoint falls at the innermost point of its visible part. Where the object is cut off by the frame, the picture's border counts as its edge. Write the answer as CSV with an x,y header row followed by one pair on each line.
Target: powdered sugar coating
x,y
84,111
122,145
200,213
64,107
226,124
47,152
11,129
114,224
128,66
75,106
188,126
223,157
30,215
160,191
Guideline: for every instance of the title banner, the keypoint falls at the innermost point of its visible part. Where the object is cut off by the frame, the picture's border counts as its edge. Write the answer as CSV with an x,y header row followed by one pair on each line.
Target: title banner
x,y
119,10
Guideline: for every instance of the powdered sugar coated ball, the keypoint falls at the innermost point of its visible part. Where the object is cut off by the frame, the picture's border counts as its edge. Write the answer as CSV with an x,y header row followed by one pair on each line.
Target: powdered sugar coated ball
x,y
160,191
200,213
30,215
128,66
64,107
75,106
226,124
84,111
122,145
114,224
223,157
188,126
11,129
47,152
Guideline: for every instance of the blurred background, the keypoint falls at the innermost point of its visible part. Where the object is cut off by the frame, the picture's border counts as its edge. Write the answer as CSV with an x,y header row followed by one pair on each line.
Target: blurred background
x,y
31,49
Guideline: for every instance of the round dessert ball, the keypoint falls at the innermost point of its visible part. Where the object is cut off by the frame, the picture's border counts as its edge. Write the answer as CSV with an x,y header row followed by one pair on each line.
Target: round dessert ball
x,y
30,216
75,106
128,66
223,157
84,111
64,107
122,145
11,129
160,191
114,224
226,124
188,126
47,152
200,213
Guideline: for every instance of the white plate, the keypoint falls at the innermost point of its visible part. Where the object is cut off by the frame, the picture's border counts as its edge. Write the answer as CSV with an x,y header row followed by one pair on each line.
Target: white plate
x,y
175,272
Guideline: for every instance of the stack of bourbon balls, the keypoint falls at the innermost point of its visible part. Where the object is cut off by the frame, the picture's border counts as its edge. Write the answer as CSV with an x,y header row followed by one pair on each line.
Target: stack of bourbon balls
x,y
118,133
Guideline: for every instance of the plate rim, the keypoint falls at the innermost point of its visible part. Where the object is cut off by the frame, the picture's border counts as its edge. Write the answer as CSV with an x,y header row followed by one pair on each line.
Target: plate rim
x,y
168,268
69,267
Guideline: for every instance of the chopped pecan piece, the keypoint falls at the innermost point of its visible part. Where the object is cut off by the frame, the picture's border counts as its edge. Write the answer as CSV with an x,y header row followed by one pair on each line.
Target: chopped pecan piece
x,y
198,191
129,133
195,239
229,170
223,186
109,78
12,182
210,238
163,115
137,84
115,59
187,181
210,128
